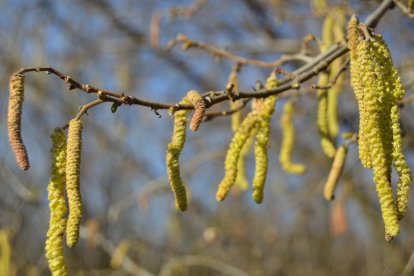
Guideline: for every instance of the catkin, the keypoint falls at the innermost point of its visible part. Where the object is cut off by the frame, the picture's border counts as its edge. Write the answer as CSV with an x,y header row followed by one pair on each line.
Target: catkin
x,y
240,137
327,143
172,158
73,154
378,91
199,109
335,172
57,204
265,109
241,179
14,117
357,84
288,141
400,165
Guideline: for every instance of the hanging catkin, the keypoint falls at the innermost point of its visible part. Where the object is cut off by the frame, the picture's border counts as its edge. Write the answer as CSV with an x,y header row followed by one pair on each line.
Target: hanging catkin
x,y
14,117
335,172
288,141
73,155
265,109
173,154
378,90
241,179
233,154
57,204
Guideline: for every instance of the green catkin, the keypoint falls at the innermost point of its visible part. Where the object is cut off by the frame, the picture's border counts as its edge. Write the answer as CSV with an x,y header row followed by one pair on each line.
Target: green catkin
x,y
400,164
265,109
73,159
241,179
288,141
199,109
357,84
173,154
378,91
335,172
247,127
327,143
57,205
14,117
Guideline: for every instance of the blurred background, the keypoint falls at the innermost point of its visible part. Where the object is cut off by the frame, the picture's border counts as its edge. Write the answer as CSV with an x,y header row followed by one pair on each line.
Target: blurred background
x,y
130,225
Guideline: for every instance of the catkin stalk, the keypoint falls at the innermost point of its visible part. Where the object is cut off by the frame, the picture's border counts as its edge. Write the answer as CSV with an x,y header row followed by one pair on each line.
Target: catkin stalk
x,y
73,153
14,117
57,205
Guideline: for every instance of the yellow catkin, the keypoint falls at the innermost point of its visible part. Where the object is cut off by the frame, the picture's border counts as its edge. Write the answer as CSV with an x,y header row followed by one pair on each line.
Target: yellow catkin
x,y
265,109
327,143
172,158
199,109
241,179
400,165
57,205
288,141
378,90
335,172
14,117
73,153
357,84
240,137
5,253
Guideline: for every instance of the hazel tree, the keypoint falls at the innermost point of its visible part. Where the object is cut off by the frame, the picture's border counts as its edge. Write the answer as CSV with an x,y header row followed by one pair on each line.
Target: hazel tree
x,y
345,45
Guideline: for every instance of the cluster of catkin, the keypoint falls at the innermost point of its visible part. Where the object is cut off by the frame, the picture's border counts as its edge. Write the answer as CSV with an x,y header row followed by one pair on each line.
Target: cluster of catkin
x,y
333,30
256,124
65,173
378,91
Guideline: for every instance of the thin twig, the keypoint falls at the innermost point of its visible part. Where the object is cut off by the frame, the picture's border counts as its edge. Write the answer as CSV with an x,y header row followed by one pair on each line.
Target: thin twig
x,y
332,82
404,9
219,52
186,12
211,115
